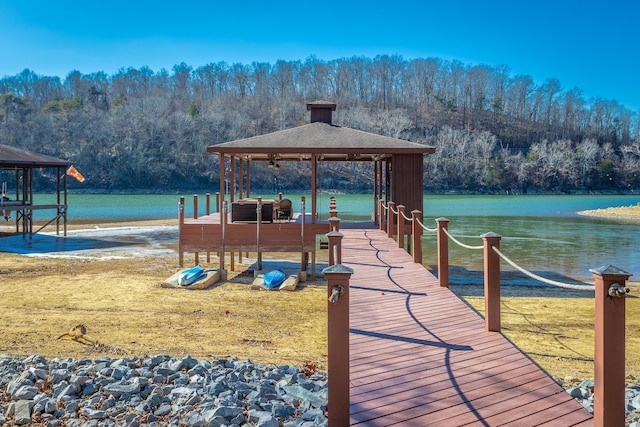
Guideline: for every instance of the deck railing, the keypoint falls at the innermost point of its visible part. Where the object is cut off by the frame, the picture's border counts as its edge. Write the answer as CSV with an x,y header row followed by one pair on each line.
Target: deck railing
x,y
610,292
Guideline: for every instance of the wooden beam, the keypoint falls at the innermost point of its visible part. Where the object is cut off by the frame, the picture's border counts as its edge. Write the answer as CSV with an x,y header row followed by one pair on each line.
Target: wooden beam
x,y
313,188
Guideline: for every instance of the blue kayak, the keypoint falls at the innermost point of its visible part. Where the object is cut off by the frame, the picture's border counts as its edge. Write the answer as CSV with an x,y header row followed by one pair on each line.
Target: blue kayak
x,y
190,276
273,279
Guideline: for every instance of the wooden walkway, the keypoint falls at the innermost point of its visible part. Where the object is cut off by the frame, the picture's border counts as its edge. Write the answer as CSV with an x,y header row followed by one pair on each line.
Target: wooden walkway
x,y
421,357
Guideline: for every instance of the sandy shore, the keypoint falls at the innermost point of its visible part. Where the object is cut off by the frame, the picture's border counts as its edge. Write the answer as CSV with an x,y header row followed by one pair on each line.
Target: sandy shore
x,y
630,212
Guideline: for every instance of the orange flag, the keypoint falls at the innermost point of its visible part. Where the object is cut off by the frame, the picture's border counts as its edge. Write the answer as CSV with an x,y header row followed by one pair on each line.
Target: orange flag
x,y
74,173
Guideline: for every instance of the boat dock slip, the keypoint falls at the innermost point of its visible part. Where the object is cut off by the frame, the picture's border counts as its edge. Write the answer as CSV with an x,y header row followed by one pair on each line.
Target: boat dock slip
x,y
419,356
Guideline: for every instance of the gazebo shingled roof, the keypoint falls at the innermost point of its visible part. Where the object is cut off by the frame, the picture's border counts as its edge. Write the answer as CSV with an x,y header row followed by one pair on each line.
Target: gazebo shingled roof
x,y
320,138
14,157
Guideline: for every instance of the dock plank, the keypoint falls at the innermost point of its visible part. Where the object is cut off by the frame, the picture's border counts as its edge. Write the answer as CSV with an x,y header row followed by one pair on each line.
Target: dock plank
x,y
420,356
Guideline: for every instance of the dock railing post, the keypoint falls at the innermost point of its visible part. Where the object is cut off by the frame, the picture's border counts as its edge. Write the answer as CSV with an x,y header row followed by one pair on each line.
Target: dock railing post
x,y
491,282
381,221
609,359
416,232
334,223
443,252
218,207
390,207
338,277
401,226
335,247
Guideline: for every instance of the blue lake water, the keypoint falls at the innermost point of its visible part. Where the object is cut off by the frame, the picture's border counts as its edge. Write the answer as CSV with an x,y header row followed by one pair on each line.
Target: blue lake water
x,y
541,233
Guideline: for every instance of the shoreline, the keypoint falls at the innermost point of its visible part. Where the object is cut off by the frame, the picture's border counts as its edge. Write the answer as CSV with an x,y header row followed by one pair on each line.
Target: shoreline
x,y
625,212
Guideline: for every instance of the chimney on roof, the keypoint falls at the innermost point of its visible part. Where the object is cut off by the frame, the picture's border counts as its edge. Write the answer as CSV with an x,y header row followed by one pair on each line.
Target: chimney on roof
x,y
321,111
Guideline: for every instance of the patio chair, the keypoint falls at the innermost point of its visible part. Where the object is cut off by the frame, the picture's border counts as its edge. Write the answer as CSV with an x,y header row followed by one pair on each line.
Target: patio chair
x,y
284,209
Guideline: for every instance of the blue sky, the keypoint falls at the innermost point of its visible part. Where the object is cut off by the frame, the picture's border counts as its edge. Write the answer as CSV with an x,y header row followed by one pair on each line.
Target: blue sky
x,y
594,46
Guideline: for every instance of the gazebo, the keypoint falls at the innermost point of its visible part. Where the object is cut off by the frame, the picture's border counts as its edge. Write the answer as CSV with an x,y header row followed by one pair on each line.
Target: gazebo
x,y
21,201
397,177
398,164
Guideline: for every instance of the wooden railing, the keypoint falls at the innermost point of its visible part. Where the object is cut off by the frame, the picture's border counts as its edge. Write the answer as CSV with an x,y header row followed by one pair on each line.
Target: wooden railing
x,y
610,292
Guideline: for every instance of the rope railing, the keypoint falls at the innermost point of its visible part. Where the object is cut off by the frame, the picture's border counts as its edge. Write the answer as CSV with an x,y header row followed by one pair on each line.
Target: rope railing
x,y
609,292
459,243
542,279
406,217
425,228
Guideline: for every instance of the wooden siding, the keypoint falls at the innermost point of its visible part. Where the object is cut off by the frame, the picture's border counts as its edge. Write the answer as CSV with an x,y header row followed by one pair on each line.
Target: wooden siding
x,y
419,356
205,235
407,170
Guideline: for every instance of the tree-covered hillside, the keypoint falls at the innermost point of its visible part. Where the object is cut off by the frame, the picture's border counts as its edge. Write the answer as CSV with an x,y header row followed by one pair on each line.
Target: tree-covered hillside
x,y
493,131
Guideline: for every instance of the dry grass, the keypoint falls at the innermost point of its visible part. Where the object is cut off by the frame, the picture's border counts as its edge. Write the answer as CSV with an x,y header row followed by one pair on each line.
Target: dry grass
x,y
557,332
632,212
127,311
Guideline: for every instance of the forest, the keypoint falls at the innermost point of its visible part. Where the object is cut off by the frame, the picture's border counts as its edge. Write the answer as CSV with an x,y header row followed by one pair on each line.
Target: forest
x,y
494,132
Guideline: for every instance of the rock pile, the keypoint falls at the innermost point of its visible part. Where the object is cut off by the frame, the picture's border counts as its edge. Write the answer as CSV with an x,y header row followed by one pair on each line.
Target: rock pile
x,y
582,391
158,390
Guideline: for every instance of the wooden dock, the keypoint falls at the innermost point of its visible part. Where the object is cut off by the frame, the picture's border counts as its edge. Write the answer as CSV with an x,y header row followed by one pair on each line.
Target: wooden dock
x,y
419,356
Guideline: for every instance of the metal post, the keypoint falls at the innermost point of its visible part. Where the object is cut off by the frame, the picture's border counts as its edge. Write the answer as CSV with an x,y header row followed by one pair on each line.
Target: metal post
x,y
338,343
491,282
609,360
443,252
416,217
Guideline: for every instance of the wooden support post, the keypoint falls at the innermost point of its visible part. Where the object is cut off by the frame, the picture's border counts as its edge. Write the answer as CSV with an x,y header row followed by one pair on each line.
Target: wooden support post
x,y
338,277
208,212
195,216
223,228
218,208
335,247
491,282
180,223
390,206
416,217
400,226
609,360
258,222
443,252
382,222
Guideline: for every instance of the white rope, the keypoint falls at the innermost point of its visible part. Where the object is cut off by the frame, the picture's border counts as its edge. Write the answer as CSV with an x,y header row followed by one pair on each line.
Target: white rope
x,y
425,228
542,279
385,207
395,212
460,243
407,218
